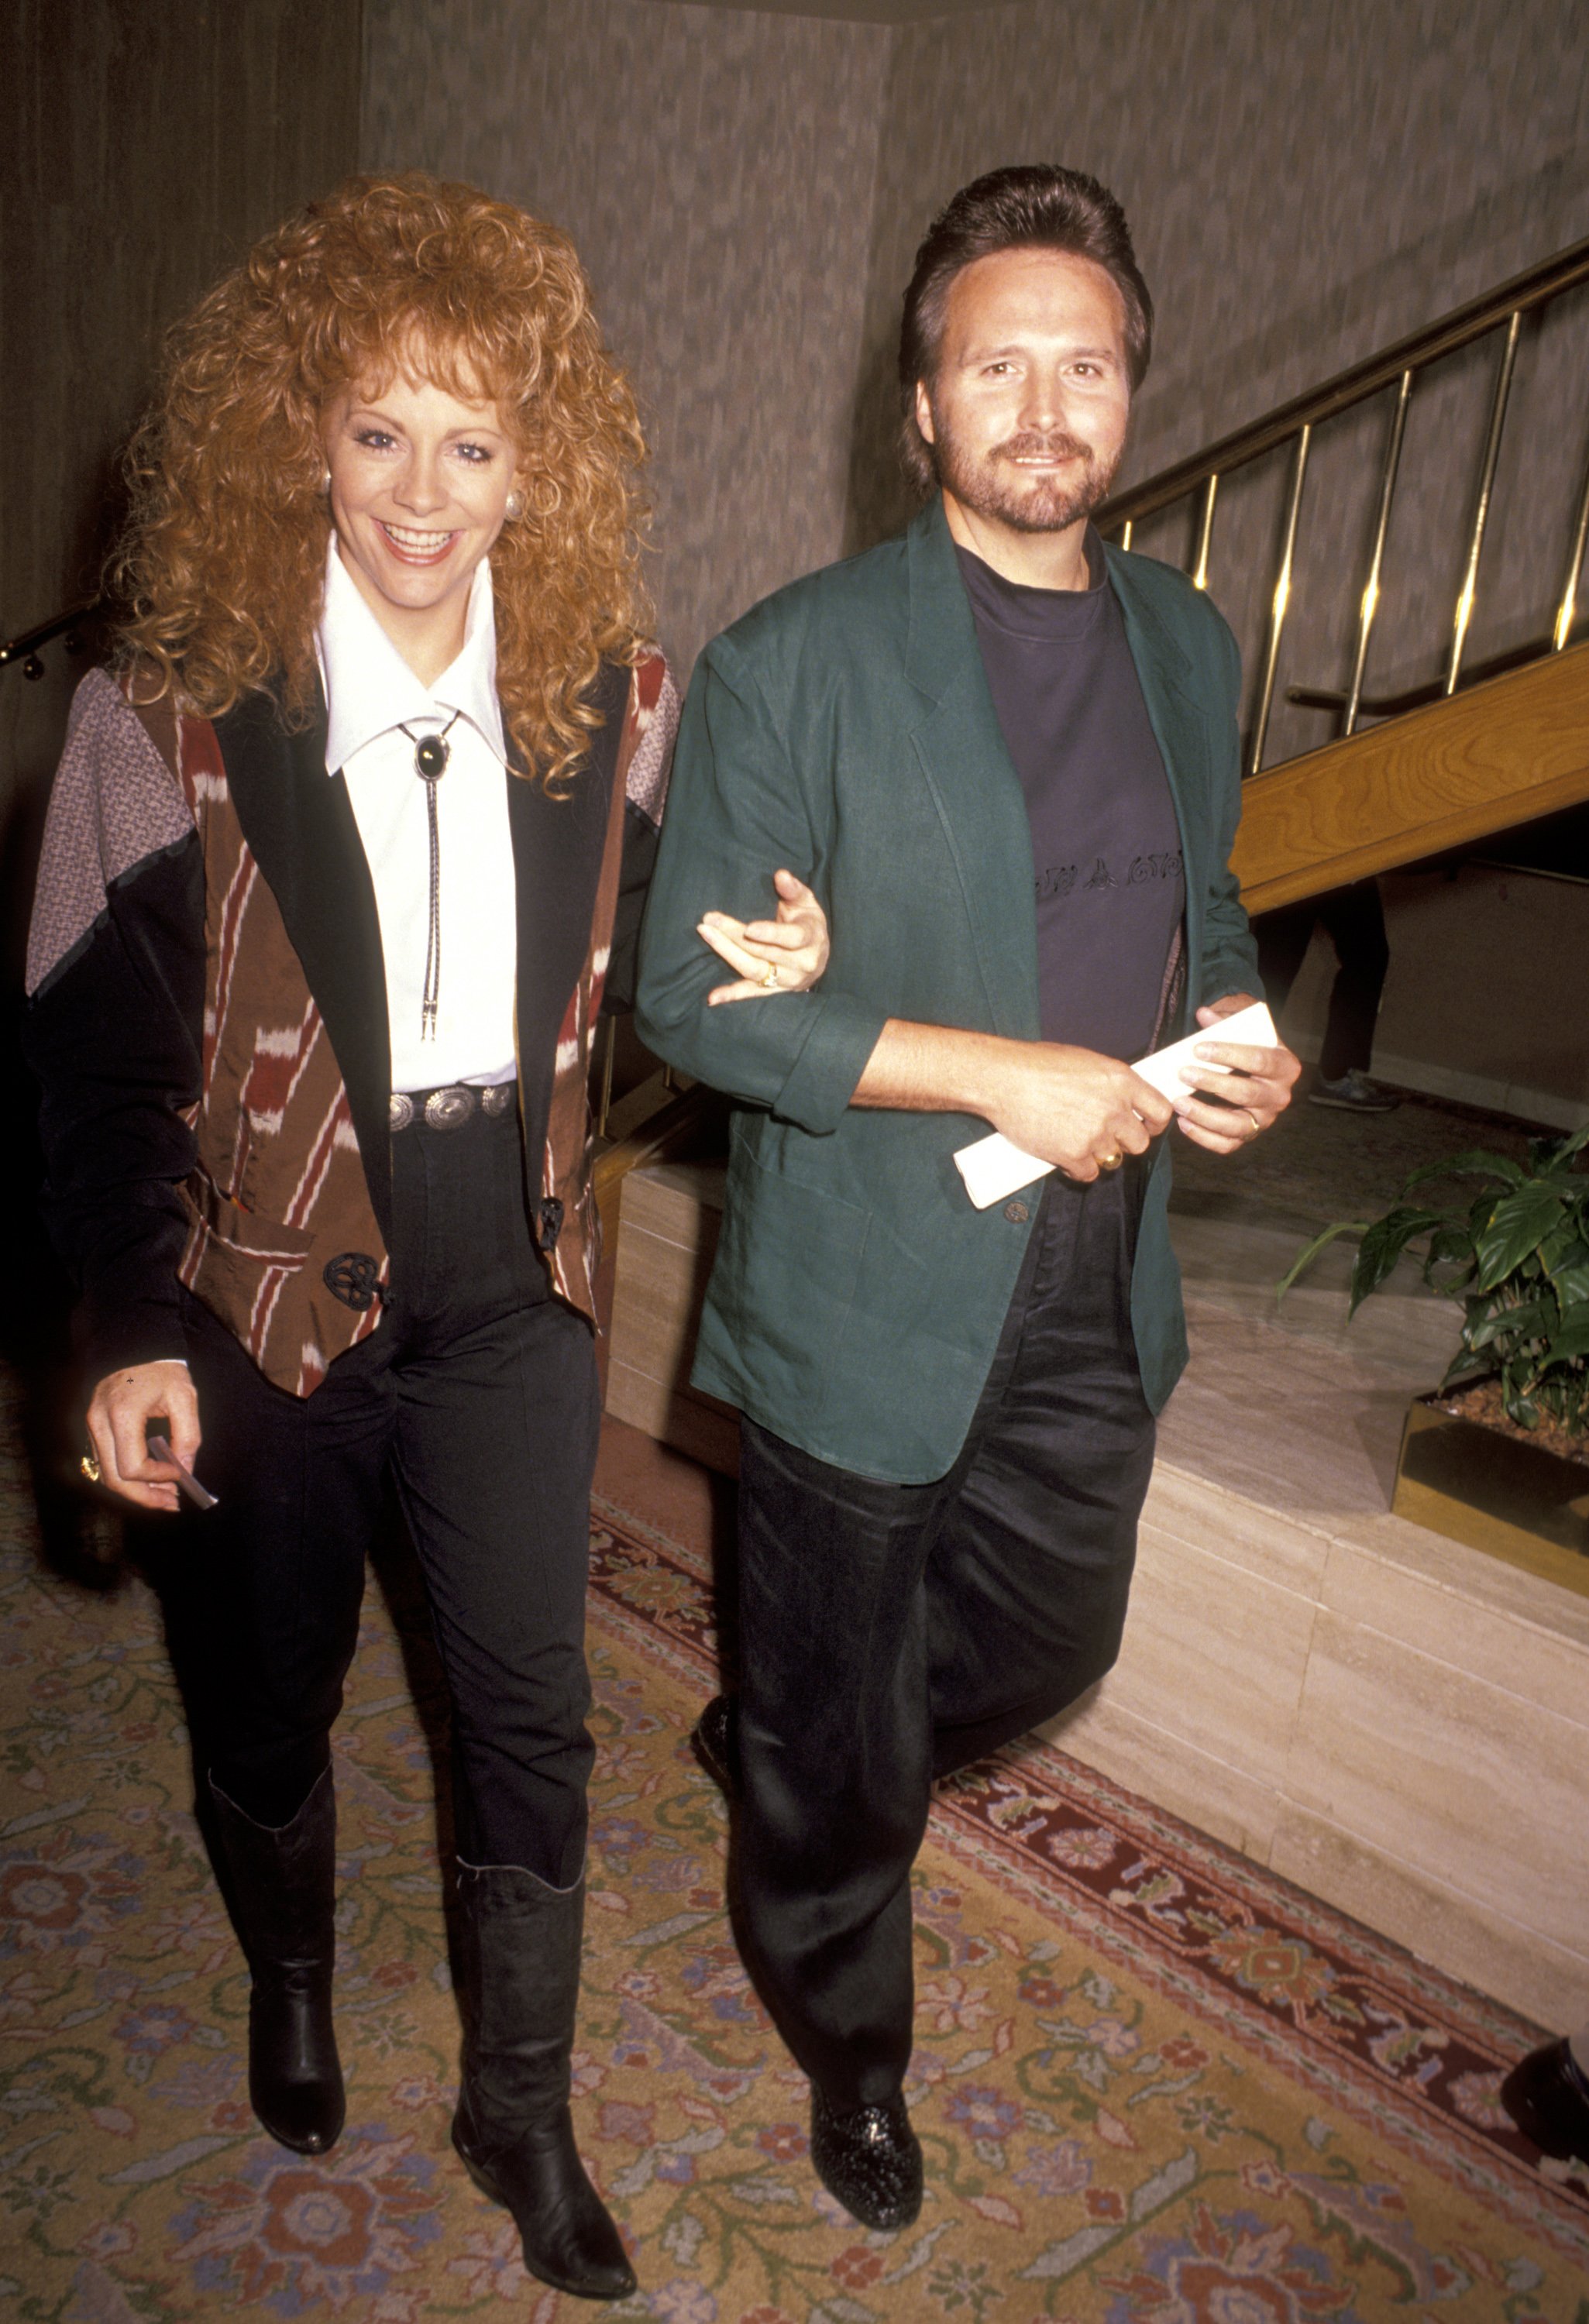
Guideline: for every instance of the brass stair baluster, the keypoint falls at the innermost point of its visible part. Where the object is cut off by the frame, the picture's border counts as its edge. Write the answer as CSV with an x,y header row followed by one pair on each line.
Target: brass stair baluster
x,y
1205,534
1282,598
1370,592
1567,613
1465,603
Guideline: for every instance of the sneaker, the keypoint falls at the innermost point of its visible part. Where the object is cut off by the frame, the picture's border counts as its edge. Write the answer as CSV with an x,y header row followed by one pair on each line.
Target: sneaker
x,y
1353,1093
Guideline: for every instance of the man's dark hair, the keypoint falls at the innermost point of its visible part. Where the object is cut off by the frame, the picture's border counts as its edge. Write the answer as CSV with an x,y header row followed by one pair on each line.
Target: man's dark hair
x,y
1031,205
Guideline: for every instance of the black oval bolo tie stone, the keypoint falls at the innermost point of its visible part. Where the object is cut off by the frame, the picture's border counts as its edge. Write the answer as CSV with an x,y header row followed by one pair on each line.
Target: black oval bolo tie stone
x,y
430,757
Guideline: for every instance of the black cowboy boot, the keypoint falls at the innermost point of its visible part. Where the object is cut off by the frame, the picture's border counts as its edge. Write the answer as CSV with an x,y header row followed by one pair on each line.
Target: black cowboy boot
x,y
283,1889
519,1943
869,2159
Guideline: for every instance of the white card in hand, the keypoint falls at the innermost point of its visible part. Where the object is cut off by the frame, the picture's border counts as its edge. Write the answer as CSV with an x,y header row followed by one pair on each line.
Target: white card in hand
x,y
993,1168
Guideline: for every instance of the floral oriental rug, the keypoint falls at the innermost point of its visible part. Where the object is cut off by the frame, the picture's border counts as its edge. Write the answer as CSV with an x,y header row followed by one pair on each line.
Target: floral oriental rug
x,y
1155,2085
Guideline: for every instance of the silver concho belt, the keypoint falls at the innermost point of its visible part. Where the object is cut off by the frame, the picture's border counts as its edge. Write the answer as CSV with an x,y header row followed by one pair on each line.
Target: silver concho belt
x,y
451,1107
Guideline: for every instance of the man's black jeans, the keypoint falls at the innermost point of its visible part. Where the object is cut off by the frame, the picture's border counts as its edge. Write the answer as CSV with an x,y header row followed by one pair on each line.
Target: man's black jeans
x,y
889,1634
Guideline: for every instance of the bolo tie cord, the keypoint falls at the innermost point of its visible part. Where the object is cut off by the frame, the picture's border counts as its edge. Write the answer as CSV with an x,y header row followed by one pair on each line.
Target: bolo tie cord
x,y
431,754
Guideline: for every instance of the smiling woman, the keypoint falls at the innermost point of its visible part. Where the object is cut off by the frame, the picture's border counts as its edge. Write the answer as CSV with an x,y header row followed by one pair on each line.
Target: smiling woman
x,y
342,862
422,483
389,288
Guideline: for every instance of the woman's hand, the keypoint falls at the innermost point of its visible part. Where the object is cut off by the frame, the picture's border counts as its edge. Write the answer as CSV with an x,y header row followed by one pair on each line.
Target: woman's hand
x,y
787,954
124,1404
1257,1082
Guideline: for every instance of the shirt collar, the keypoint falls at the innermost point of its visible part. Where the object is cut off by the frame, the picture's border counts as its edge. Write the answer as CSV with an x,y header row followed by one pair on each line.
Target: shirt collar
x,y
369,687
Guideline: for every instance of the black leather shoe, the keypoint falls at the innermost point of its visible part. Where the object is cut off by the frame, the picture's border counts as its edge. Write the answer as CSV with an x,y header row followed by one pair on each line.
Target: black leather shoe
x,y
716,1743
519,1952
1547,2095
283,1892
869,2160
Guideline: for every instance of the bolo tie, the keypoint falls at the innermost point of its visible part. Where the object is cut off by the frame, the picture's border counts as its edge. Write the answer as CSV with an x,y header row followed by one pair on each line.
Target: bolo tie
x,y
431,754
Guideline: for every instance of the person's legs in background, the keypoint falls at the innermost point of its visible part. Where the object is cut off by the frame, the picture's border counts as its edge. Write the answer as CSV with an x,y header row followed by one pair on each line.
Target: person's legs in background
x,y
1354,919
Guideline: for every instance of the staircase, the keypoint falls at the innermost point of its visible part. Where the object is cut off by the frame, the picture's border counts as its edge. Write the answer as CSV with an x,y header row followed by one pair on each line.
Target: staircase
x,y
1442,763
1489,758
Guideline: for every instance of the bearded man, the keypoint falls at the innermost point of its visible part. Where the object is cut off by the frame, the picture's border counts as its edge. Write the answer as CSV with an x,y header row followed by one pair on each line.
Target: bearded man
x,y
1010,756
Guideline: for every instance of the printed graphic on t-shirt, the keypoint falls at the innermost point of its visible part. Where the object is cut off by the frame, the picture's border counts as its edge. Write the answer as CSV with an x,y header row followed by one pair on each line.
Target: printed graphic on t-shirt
x,y
1060,878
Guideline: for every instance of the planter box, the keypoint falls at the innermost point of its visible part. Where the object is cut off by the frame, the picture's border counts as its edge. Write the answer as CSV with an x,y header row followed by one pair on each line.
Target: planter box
x,y
1495,1493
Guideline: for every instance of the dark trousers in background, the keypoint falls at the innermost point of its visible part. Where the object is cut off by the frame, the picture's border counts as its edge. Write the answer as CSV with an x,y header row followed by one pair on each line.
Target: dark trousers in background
x,y
1354,919
889,1634
477,1396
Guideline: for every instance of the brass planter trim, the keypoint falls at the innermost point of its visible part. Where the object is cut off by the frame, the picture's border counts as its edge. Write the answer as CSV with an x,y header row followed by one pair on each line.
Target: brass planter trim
x,y
1495,1493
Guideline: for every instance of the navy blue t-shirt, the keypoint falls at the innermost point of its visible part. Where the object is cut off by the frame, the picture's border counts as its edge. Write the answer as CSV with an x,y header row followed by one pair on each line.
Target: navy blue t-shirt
x,y
1105,848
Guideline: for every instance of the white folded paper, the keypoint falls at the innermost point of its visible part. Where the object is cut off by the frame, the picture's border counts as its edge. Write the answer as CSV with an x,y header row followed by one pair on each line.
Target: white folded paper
x,y
993,1168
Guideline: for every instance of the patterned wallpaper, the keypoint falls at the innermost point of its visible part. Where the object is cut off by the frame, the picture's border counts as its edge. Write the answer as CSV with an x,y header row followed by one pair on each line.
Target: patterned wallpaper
x,y
141,148
716,170
1306,179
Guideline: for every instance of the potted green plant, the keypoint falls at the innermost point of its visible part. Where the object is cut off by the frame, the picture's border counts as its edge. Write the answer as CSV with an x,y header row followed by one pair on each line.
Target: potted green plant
x,y
1498,1454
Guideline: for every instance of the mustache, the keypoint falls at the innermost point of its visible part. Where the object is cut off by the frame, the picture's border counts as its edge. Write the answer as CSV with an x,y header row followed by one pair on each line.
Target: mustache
x,y
1059,446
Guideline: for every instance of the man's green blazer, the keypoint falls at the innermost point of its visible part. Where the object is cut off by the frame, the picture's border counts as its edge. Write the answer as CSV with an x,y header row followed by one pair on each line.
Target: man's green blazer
x,y
844,727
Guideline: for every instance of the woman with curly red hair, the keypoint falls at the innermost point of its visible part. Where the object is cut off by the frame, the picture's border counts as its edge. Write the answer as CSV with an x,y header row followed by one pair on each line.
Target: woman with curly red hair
x,y
345,854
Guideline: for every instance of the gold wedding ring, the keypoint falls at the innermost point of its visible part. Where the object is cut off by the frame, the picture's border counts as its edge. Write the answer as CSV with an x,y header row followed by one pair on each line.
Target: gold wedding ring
x,y
770,981
1109,1161
89,1466
1252,1118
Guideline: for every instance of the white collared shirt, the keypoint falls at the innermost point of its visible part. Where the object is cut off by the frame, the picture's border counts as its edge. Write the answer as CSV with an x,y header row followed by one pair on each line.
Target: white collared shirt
x,y
371,694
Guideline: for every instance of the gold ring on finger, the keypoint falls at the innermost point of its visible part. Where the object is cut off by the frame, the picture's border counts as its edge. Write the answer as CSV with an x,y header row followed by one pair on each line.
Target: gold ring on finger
x,y
1252,1118
1109,1161
770,977
89,1466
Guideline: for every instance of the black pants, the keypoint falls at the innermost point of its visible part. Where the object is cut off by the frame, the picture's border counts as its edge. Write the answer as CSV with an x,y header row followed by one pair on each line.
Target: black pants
x,y
889,1634
477,1396
1354,919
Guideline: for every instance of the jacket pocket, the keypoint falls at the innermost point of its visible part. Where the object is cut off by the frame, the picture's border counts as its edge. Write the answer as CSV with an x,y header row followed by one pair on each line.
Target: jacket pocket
x,y
243,1234
787,1261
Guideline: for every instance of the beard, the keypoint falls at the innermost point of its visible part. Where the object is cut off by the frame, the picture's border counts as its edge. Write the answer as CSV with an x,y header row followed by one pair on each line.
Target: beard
x,y
990,484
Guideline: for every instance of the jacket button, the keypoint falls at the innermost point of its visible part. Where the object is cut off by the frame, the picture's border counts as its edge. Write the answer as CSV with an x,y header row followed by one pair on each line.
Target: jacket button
x,y
354,1278
1017,1213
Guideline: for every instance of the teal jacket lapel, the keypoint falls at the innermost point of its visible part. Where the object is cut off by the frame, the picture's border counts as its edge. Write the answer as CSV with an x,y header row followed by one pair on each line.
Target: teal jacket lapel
x,y
1180,725
968,770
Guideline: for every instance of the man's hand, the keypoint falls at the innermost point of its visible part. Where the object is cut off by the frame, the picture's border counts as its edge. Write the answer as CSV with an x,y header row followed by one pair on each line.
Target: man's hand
x,y
786,954
123,1405
1081,1111
1075,1108
1257,1081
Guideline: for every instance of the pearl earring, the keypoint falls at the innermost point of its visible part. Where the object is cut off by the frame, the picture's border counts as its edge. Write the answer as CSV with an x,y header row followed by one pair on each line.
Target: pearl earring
x,y
514,508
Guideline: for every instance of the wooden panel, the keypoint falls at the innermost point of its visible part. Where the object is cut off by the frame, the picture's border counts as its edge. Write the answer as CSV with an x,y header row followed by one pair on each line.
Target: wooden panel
x,y
668,1238
1501,754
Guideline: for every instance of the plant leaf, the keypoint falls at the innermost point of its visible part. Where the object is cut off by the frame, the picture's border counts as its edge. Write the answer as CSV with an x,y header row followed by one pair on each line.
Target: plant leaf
x,y
1564,1246
1306,1256
1519,1223
1382,1245
1535,1319
1571,1340
1474,1164
1573,1145
1572,1285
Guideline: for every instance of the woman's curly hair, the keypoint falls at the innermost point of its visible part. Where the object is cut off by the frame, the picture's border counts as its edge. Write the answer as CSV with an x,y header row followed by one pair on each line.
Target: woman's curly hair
x,y
221,565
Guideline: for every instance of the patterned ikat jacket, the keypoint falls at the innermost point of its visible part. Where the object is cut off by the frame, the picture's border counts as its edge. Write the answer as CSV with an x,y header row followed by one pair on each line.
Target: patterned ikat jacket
x,y
207,1016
